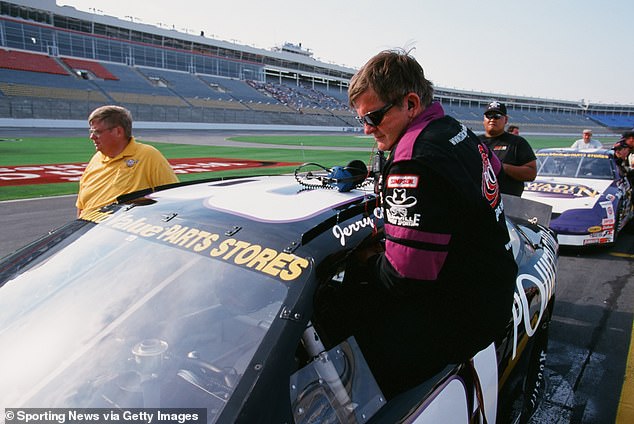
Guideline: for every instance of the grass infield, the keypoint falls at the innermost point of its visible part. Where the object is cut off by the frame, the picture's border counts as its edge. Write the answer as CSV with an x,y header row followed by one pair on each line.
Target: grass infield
x,y
61,150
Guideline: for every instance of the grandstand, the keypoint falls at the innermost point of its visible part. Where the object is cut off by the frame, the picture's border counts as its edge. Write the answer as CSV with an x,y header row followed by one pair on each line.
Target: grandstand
x,y
60,63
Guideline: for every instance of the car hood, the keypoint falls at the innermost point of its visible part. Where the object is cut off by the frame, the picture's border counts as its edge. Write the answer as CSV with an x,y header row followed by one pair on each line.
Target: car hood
x,y
566,193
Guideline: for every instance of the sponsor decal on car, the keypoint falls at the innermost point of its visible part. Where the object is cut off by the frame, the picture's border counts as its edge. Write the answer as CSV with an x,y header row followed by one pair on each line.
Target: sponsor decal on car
x,y
607,222
609,209
597,239
544,282
342,233
97,216
562,190
574,155
278,264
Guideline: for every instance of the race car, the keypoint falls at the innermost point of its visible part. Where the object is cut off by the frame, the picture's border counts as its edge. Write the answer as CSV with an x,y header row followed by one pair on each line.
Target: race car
x,y
202,297
590,197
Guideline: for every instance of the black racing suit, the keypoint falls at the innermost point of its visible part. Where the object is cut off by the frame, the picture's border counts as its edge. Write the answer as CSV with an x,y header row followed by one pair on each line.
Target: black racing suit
x,y
447,277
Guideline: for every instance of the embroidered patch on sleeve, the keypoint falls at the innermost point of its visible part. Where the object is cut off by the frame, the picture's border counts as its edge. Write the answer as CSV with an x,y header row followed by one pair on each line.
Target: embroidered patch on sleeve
x,y
402,181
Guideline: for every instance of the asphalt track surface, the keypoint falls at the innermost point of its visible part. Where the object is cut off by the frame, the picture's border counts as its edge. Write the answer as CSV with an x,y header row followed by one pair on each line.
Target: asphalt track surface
x,y
589,336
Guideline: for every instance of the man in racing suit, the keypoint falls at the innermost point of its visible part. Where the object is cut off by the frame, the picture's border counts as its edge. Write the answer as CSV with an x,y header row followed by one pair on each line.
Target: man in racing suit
x,y
443,288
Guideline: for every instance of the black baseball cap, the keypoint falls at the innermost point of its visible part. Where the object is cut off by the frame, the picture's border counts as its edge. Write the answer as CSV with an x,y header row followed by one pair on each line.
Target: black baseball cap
x,y
496,106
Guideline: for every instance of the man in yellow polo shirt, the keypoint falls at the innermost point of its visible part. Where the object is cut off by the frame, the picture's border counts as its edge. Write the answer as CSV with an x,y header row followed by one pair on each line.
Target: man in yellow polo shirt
x,y
120,165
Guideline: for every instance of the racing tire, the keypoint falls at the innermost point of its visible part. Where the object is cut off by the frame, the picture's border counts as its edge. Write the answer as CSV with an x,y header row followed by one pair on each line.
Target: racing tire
x,y
534,384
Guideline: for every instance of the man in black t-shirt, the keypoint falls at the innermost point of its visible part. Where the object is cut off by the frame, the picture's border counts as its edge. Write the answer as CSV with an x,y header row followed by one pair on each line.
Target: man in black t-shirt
x,y
519,163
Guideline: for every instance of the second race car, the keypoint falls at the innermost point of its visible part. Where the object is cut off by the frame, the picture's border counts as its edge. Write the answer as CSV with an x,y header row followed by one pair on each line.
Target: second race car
x,y
589,195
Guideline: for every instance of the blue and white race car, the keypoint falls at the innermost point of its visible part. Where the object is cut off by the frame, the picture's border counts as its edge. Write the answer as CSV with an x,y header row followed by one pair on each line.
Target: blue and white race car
x,y
589,195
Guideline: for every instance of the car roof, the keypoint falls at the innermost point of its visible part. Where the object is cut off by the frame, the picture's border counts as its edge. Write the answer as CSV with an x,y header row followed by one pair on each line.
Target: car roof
x,y
266,199
276,208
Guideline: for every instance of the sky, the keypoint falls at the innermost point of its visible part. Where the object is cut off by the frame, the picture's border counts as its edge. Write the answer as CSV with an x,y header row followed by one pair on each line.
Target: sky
x,y
578,50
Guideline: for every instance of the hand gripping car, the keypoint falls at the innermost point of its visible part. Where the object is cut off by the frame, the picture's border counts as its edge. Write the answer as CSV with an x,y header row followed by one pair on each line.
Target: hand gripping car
x,y
203,296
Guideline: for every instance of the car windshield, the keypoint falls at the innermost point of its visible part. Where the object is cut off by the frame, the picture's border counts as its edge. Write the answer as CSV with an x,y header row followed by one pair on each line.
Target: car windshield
x,y
117,320
574,165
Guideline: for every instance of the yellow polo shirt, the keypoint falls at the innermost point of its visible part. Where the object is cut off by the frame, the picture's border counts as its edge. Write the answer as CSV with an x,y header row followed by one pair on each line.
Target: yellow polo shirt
x,y
139,166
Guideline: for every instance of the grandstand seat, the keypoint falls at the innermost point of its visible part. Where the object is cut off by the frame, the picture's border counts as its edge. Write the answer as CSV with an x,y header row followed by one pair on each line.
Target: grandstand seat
x,y
95,68
183,84
132,87
216,103
127,80
15,76
613,120
26,90
33,62
27,84
236,89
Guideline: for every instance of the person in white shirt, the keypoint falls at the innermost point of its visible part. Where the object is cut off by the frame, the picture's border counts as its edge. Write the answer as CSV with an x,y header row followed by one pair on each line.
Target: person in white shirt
x,y
587,142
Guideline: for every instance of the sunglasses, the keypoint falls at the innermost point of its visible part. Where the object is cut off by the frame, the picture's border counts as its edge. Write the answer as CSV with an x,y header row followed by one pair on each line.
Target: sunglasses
x,y
375,117
493,115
